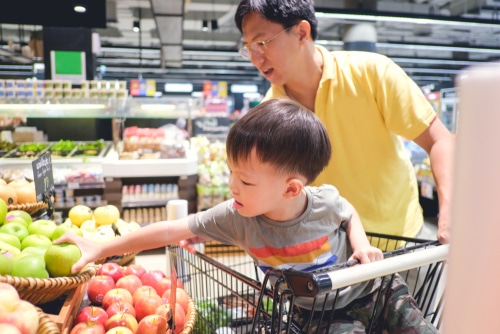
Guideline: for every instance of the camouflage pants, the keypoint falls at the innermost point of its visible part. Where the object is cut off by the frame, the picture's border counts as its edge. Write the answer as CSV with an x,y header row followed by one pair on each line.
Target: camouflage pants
x,y
395,312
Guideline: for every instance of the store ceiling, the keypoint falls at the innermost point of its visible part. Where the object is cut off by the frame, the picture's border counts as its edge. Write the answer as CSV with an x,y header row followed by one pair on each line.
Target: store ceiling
x,y
431,53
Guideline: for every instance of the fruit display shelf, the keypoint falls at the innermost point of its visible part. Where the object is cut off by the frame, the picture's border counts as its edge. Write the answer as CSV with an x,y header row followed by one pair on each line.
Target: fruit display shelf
x,y
44,290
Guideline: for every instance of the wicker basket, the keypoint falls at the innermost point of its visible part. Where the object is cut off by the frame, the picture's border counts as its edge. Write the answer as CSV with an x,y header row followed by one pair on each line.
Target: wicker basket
x,y
46,325
30,208
190,317
121,260
44,290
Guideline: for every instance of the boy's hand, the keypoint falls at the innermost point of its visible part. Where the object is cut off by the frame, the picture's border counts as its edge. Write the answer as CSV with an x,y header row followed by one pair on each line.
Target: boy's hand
x,y
189,244
367,255
88,249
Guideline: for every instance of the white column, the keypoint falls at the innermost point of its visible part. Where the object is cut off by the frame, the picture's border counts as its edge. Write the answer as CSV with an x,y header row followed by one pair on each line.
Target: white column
x,y
473,290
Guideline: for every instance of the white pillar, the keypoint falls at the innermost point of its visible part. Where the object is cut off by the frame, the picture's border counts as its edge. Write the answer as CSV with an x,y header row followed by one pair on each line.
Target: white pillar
x,y
473,292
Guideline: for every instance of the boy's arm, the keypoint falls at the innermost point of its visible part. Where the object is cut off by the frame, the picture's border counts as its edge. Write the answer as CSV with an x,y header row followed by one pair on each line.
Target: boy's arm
x,y
362,250
152,236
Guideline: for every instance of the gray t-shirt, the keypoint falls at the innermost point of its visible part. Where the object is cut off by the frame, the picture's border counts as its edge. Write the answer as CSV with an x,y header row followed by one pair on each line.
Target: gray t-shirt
x,y
312,241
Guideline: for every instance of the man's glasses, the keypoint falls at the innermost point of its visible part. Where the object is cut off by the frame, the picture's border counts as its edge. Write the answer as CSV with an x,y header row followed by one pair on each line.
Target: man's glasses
x,y
258,46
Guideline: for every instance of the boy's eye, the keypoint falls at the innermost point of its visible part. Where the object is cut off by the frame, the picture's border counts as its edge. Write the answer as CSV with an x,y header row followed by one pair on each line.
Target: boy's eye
x,y
245,183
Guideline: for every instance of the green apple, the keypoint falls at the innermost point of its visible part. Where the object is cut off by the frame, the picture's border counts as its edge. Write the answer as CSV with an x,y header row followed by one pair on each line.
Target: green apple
x,y
19,216
30,265
11,239
6,263
63,228
5,247
17,229
42,227
3,210
34,251
60,258
36,240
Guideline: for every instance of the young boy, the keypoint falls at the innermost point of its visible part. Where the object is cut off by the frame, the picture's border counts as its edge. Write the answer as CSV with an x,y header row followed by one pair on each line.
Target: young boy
x,y
273,153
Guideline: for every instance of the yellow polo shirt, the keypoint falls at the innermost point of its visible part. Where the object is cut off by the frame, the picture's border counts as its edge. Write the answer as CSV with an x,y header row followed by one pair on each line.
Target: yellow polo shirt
x,y
366,102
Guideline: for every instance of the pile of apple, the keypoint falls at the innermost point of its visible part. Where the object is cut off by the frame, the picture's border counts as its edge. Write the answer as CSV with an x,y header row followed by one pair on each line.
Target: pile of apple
x,y
130,300
17,316
26,248
97,224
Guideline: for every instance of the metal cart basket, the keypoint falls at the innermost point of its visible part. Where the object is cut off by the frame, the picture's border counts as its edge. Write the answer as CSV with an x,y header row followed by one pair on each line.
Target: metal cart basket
x,y
233,296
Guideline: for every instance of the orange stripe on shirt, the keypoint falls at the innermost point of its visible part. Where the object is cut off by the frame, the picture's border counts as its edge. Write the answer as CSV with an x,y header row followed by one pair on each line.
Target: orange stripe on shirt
x,y
277,260
316,246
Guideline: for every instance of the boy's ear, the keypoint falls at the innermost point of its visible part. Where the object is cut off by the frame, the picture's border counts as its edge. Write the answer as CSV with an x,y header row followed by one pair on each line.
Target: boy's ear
x,y
293,188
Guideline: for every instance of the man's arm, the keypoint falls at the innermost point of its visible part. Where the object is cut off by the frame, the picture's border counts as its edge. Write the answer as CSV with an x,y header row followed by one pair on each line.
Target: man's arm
x,y
439,144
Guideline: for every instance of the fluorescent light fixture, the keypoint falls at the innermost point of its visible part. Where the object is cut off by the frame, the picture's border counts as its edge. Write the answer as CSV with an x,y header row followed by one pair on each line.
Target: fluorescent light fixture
x,y
428,47
79,9
54,106
407,18
178,87
240,88
157,107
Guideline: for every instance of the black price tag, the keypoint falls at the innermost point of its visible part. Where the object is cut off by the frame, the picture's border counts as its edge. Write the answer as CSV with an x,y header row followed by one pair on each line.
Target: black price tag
x,y
43,177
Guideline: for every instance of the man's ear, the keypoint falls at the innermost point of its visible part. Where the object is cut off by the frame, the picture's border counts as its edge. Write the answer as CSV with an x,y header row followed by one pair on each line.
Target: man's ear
x,y
294,187
304,30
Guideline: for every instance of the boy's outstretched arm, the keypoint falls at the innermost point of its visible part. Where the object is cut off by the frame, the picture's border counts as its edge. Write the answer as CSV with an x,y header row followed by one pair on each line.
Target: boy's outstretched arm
x,y
362,250
155,235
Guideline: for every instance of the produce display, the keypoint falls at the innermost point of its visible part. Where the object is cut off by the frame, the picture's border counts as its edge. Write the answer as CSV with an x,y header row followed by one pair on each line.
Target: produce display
x,y
16,315
60,149
130,300
18,191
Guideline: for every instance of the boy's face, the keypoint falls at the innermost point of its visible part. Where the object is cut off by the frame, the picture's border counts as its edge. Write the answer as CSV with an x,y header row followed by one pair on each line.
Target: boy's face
x,y
256,188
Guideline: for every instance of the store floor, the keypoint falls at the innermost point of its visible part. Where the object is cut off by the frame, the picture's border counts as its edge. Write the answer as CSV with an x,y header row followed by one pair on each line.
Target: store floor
x,y
157,259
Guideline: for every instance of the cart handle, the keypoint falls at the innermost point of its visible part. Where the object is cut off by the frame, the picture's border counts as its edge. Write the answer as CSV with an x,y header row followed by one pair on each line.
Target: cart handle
x,y
311,284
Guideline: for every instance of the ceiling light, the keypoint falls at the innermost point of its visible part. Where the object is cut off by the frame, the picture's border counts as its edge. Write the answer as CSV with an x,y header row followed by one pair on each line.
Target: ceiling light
x,y
79,9
408,18
136,27
204,26
215,25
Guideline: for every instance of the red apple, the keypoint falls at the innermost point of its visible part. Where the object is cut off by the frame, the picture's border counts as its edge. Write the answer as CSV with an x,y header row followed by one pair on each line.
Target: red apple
x,y
9,294
22,314
181,297
152,277
116,295
180,318
92,313
122,320
147,305
164,310
152,324
130,282
134,269
120,307
111,269
98,286
120,330
143,291
9,329
163,285
89,327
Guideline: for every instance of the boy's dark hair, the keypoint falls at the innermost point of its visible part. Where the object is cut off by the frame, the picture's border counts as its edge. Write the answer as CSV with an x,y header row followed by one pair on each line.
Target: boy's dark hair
x,y
285,12
284,135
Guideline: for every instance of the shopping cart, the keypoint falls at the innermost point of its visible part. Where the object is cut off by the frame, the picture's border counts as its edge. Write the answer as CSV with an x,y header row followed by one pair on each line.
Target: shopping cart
x,y
233,296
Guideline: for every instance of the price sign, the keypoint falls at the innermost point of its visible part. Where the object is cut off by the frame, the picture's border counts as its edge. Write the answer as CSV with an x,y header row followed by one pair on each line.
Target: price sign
x,y
43,177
